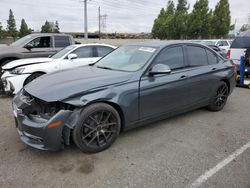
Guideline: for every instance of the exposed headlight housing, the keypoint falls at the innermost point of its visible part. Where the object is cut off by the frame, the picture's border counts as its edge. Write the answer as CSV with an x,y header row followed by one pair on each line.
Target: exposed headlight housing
x,y
17,70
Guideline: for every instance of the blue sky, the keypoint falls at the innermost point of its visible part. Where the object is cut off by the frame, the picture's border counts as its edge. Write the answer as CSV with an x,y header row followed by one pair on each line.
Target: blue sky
x,y
123,15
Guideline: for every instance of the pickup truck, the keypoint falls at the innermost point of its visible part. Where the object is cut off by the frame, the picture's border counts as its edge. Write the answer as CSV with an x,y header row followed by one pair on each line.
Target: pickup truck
x,y
234,54
34,45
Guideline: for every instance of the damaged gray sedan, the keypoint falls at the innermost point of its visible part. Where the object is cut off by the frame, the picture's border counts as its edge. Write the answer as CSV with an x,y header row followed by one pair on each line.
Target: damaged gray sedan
x,y
132,86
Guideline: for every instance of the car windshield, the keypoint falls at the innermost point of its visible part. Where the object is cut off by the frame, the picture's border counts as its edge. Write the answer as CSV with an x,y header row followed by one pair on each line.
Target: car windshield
x,y
62,52
126,58
22,41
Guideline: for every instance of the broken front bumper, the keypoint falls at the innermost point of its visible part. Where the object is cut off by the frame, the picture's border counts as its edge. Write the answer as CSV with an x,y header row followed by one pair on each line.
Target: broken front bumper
x,y
37,132
13,83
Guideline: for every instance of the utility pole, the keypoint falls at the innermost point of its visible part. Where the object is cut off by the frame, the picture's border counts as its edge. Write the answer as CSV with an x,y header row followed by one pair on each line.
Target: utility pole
x,y
99,19
235,22
85,21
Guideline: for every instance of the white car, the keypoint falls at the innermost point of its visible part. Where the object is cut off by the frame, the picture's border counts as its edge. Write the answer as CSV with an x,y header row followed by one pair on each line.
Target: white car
x,y
18,73
223,44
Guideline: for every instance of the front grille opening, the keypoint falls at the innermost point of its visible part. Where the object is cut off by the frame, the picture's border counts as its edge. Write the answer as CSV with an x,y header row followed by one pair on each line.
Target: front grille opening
x,y
40,110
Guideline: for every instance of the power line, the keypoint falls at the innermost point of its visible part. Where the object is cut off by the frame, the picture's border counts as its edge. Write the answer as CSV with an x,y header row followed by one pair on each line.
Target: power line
x,y
116,6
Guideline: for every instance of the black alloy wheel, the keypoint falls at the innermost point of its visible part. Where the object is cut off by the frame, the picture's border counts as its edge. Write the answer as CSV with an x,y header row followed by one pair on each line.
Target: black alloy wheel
x,y
219,100
221,96
97,128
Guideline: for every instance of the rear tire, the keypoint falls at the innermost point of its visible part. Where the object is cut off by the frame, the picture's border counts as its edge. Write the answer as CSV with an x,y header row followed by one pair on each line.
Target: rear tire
x,y
97,128
219,98
32,77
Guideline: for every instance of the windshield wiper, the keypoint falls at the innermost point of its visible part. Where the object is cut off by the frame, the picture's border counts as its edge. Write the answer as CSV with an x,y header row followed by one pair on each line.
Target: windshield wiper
x,y
102,67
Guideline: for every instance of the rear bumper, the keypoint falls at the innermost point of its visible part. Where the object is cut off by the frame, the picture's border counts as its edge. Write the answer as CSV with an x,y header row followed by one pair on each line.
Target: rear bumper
x,y
36,133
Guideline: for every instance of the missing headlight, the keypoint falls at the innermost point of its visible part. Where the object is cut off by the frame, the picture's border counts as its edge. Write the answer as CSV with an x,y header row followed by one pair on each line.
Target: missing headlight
x,y
40,110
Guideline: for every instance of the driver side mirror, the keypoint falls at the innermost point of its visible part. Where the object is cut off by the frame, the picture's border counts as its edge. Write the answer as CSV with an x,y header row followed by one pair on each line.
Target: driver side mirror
x,y
72,56
29,46
160,69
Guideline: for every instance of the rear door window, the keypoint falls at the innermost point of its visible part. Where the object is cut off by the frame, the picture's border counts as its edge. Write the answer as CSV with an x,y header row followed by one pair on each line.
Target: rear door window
x,y
212,58
84,52
173,57
197,56
61,41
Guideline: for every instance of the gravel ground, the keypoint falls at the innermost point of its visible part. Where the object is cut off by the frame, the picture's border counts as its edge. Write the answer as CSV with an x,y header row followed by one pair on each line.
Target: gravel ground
x,y
170,153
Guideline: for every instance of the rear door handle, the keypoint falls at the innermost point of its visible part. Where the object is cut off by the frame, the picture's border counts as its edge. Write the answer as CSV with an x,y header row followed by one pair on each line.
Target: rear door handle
x,y
183,77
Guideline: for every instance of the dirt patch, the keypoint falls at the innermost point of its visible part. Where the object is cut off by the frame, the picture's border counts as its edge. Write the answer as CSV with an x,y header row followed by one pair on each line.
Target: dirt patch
x,y
65,168
86,166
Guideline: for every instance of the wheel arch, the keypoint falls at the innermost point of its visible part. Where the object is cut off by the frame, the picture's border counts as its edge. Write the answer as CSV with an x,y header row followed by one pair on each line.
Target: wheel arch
x,y
37,72
227,82
116,107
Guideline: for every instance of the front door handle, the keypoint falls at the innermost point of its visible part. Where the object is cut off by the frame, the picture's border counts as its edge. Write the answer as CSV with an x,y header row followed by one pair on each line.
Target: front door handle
x,y
214,69
183,77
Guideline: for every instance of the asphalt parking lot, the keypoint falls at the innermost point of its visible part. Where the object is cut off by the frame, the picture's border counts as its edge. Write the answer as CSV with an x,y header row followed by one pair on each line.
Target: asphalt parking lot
x,y
210,148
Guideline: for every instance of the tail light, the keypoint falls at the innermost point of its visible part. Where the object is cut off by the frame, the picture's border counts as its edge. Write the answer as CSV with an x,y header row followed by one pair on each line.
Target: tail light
x,y
228,54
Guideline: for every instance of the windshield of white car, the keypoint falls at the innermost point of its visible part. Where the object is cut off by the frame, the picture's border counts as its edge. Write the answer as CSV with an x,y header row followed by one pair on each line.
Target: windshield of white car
x,y
22,41
126,58
62,52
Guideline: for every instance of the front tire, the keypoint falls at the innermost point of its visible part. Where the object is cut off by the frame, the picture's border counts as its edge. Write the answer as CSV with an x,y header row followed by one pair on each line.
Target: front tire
x,y
219,99
97,128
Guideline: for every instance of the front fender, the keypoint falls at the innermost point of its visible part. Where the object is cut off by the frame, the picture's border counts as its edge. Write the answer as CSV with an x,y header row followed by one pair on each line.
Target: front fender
x,y
90,97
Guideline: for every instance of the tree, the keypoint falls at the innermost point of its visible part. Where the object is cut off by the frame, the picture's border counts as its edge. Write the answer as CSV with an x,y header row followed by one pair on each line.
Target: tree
x,y
180,19
158,30
50,27
244,27
47,27
164,26
11,25
168,24
221,19
198,21
24,29
56,29
1,31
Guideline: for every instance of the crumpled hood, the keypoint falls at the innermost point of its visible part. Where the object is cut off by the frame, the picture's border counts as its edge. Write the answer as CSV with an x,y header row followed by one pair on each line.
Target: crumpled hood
x,y
62,85
23,62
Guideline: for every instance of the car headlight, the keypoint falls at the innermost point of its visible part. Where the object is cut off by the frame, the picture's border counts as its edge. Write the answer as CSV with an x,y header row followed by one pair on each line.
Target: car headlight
x,y
17,71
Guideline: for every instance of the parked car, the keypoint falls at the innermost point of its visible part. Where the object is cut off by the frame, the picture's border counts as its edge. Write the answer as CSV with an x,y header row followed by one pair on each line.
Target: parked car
x,y
134,85
18,73
34,45
223,44
213,46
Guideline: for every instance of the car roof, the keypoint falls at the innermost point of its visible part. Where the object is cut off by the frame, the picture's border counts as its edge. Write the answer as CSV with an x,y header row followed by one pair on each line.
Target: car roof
x,y
161,44
48,34
94,44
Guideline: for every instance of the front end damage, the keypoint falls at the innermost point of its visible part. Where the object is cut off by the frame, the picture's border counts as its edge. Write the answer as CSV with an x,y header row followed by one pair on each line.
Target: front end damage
x,y
12,83
43,125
